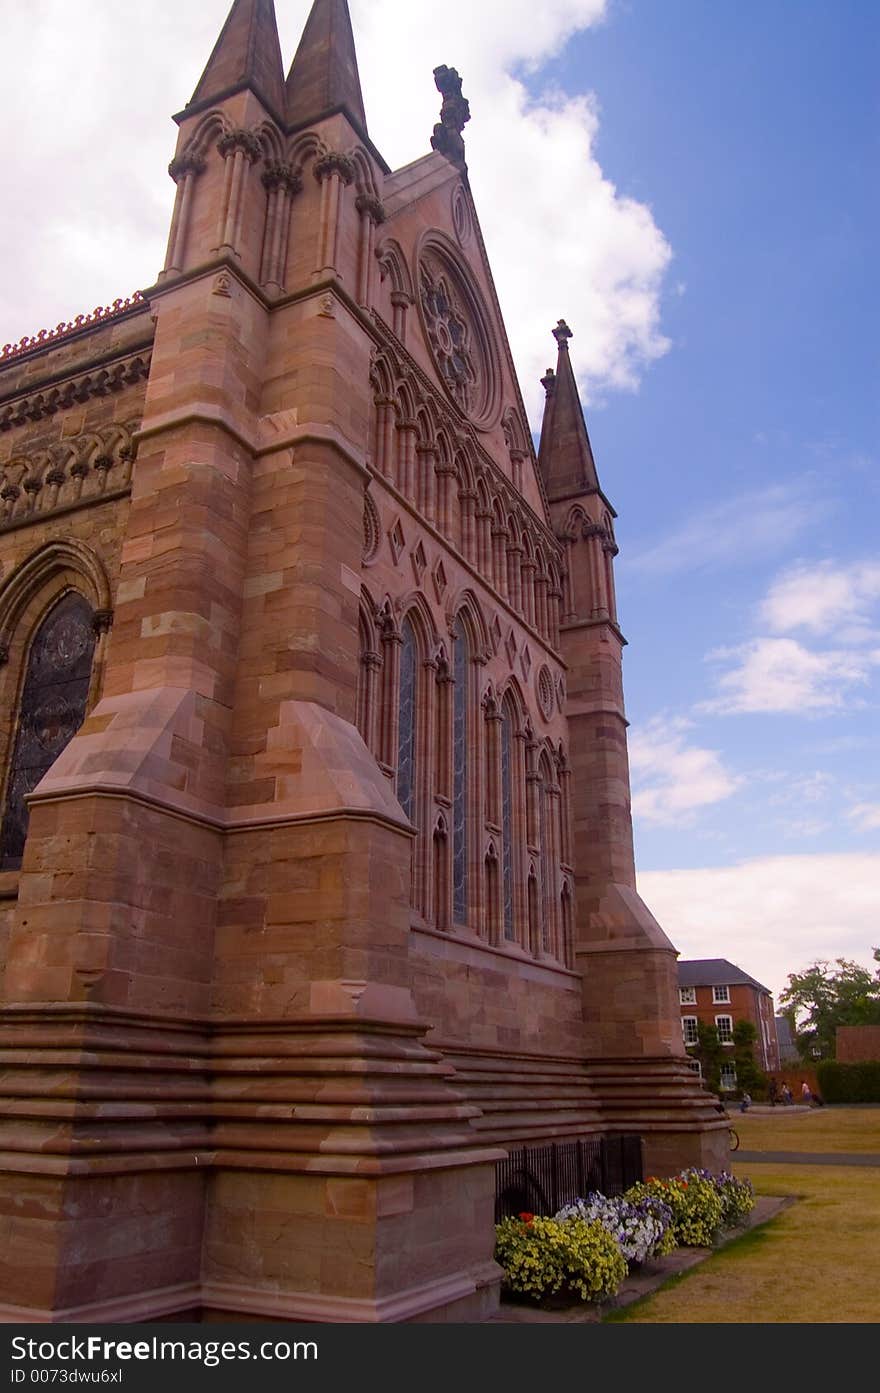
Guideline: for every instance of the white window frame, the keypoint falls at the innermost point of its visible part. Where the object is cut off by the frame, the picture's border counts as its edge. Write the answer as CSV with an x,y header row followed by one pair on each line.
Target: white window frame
x,y
721,996
684,1035
718,1020
696,1067
728,1070
687,996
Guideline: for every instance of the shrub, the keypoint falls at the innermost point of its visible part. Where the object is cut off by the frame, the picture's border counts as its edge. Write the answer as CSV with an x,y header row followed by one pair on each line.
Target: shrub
x,y
697,1208
849,1083
637,1228
542,1256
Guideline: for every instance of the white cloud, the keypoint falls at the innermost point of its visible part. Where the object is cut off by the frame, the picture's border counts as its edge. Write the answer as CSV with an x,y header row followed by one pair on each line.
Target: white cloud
x,y
773,915
820,596
672,779
89,162
780,675
866,816
734,532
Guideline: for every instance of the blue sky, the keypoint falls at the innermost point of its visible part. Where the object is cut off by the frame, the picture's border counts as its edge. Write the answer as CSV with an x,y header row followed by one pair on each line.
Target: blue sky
x,y
692,185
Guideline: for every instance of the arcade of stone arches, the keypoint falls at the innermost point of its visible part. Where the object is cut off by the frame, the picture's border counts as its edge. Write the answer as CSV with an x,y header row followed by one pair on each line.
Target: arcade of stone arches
x,y
489,800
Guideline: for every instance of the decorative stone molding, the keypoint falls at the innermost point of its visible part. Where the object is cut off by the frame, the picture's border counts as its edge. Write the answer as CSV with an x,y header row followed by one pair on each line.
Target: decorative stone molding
x,y
187,163
77,389
242,140
454,116
281,176
335,162
61,331
70,473
372,531
102,621
370,207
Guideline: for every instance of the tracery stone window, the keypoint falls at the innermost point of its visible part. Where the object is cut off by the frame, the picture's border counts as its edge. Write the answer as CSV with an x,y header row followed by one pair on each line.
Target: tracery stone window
x,y
53,707
460,776
406,728
449,334
507,846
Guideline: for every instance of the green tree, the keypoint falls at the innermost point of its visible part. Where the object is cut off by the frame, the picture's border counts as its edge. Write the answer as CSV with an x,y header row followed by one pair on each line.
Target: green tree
x,y
826,996
749,1077
710,1052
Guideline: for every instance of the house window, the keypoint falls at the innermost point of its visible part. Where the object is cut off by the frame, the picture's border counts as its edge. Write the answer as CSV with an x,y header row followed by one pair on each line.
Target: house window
x,y
720,994
724,1025
695,1067
728,1076
687,996
689,1031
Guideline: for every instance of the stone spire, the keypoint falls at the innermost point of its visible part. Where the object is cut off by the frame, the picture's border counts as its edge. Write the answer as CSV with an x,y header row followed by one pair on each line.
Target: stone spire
x,y
247,54
324,76
566,456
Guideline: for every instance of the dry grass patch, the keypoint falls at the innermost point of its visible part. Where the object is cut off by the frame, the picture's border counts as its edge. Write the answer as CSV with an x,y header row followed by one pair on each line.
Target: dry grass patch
x,y
821,1129
819,1261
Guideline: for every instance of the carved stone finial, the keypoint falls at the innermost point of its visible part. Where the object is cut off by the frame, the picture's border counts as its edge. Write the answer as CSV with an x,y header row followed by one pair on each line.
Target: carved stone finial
x,y
562,334
454,116
548,382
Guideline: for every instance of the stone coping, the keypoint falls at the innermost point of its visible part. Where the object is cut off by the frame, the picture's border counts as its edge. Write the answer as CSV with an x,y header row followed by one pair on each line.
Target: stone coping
x,y
641,1283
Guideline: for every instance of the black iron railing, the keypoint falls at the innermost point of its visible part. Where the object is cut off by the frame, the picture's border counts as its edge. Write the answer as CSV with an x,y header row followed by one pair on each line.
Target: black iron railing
x,y
541,1179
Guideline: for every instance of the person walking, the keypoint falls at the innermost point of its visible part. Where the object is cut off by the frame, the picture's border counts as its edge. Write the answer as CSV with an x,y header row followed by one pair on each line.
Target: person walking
x,y
786,1093
772,1093
806,1093
746,1102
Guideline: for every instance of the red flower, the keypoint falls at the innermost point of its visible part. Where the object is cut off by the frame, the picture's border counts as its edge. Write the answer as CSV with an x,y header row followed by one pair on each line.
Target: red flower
x,y
684,1184
526,1217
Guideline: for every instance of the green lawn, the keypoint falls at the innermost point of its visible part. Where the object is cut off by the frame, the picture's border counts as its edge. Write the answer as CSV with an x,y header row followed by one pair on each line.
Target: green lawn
x,y
818,1261
820,1129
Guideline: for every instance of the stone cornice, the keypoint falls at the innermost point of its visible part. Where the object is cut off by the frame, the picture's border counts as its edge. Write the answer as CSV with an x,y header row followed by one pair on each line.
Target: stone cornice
x,y
110,373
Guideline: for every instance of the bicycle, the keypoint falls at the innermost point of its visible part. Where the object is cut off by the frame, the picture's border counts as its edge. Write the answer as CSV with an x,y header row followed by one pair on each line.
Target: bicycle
x,y
734,1139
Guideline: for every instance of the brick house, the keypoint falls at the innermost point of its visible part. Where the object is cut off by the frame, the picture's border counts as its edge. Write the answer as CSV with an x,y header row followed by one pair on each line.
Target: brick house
x,y
720,994
317,888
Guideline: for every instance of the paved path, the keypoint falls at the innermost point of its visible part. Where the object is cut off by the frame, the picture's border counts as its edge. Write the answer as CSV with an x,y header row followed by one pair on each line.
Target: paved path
x,y
809,1158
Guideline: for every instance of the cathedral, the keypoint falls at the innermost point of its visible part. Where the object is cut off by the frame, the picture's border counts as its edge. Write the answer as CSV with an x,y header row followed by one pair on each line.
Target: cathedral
x,y
317,892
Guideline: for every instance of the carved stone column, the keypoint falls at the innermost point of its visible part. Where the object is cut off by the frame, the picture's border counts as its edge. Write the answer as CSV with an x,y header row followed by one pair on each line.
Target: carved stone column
x,y
407,435
372,215
445,472
528,590
240,149
484,542
541,606
514,576
334,172
400,303
184,171
500,537
427,489
281,185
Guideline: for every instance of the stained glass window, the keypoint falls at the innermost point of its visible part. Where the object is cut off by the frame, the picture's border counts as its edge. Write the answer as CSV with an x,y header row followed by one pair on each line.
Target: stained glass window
x,y
507,821
406,739
53,707
459,776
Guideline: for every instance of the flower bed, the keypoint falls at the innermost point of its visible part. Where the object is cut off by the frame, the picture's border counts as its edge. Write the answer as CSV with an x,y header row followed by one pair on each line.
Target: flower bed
x,y
585,1251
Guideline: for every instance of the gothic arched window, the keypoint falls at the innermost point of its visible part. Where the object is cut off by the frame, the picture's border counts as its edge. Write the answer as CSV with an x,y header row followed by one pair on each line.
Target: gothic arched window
x,y
406,729
507,814
460,666
53,707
